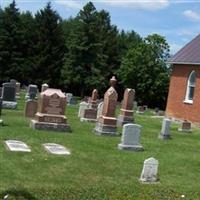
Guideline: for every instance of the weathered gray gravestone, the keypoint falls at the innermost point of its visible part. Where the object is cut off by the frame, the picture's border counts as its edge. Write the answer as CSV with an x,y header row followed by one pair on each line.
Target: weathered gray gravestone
x,y
69,96
32,92
130,139
8,95
149,171
165,131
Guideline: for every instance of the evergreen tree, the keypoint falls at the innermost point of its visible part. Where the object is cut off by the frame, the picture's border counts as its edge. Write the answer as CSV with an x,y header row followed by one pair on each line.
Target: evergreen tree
x,y
50,47
11,57
92,51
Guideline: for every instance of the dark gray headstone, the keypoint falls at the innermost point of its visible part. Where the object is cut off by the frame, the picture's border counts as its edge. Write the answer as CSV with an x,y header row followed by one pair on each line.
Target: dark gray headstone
x,y
0,91
8,92
0,104
32,92
13,81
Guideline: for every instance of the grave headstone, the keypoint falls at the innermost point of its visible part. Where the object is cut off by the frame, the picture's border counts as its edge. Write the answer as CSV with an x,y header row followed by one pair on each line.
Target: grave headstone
x,y
73,101
185,127
107,122
31,107
51,112
32,92
140,110
8,95
18,90
99,109
0,91
14,145
69,96
44,87
126,111
82,106
165,131
1,101
130,139
135,105
149,171
90,114
56,149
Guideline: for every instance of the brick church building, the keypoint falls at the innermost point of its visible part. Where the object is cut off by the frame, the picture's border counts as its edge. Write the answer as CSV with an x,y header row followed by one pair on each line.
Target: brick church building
x,y
184,90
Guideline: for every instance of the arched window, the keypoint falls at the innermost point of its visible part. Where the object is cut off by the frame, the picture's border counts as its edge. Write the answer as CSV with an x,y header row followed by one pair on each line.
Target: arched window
x,y
190,87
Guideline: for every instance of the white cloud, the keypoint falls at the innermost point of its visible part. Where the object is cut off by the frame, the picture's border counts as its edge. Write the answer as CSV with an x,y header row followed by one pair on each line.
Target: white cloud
x,y
70,3
192,15
139,4
174,48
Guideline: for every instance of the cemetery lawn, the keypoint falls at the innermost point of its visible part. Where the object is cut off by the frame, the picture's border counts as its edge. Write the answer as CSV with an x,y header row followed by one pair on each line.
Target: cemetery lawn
x,y
96,169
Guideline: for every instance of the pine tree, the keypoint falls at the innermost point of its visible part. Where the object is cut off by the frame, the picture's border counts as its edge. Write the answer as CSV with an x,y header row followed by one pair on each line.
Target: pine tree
x,y
50,47
11,57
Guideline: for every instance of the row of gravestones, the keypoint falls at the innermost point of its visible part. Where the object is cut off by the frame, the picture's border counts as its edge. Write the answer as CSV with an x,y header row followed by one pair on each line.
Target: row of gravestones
x,y
148,175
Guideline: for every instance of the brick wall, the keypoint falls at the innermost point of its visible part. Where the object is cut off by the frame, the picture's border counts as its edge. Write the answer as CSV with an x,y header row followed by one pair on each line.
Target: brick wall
x,y
178,84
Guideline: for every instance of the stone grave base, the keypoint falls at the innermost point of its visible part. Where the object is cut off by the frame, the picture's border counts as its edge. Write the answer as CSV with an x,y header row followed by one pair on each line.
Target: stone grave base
x,y
124,120
103,129
9,104
130,147
185,130
164,137
50,126
82,119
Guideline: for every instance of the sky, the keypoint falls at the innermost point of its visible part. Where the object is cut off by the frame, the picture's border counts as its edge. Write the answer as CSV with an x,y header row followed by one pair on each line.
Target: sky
x,y
177,20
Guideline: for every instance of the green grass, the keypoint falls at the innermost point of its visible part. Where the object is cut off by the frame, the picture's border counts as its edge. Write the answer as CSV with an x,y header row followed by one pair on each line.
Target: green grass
x,y
96,169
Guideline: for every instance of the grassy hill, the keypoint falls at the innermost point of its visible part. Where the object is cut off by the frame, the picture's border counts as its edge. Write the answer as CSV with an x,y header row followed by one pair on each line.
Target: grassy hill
x,y
96,169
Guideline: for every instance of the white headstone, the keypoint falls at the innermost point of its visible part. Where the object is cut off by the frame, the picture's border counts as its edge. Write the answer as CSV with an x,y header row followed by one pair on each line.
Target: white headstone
x,y
149,171
82,106
99,109
14,145
165,131
130,139
56,149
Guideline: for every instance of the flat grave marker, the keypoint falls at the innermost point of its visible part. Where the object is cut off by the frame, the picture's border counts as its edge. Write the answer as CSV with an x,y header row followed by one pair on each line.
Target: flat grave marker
x,y
15,145
56,149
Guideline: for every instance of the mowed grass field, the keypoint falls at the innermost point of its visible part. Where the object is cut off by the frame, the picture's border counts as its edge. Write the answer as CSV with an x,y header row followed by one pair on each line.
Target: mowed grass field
x,y
96,169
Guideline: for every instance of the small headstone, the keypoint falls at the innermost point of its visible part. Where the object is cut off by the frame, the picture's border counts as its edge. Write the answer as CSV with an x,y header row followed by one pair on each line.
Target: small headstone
x,y
18,90
99,109
13,81
185,127
82,106
1,100
126,111
31,107
145,107
56,149
8,95
130,139
165,131
69,96
32,92
73,101
149,171
44,87
0,91
135,104
140,110
14,145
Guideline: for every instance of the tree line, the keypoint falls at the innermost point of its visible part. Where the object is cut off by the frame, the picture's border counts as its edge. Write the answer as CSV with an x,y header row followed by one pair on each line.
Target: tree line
x,y
81,53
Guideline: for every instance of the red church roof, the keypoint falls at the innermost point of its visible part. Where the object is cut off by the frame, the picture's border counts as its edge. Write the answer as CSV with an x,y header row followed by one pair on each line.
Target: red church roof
x,y
189,54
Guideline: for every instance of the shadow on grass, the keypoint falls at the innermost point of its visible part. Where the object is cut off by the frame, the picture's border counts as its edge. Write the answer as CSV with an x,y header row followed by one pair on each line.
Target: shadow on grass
x,y
17,194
